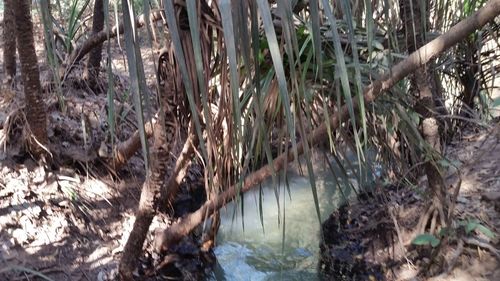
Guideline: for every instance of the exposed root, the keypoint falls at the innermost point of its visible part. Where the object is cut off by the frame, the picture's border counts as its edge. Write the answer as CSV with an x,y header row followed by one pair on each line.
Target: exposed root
x,y
430,215
125,150
482,244
423,220
433,221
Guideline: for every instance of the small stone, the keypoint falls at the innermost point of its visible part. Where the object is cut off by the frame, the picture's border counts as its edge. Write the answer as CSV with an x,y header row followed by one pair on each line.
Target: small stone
x,y
103,150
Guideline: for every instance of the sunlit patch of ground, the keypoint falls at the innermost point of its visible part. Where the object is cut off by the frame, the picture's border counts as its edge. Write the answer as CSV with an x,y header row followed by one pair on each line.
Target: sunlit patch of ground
x,y
69,223
477,156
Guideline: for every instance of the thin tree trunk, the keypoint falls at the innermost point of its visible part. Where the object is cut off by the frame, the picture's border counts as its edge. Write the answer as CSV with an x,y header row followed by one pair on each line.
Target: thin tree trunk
x,y
9,47
181,166
147,204
416,60
95,56
35,105
467,75
422,82
165,134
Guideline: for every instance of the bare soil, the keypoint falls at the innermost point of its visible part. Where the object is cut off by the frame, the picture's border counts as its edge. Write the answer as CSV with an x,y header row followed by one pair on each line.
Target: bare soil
x,y
70,219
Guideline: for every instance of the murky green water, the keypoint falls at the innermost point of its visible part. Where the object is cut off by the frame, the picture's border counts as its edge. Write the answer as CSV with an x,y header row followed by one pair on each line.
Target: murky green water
x,y
257,252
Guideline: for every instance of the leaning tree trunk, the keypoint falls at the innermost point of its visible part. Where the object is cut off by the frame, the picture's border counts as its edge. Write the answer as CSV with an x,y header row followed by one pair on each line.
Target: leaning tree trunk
x,y
9,47
422,87
94,62
35,105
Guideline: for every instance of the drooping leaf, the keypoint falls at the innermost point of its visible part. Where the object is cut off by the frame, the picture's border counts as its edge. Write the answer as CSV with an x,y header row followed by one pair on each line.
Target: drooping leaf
x,y
179,54
136,70
486,231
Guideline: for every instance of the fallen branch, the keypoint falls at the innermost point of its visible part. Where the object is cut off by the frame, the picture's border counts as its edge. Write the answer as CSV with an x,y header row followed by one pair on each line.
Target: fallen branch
x,y
417,59
125,150
482,244
100,37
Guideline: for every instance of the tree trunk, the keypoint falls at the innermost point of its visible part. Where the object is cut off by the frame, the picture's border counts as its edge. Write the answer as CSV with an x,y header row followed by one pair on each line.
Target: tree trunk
x,y
468,72
165,134
422,81
9,47
35,105
94,62
416,60
147,204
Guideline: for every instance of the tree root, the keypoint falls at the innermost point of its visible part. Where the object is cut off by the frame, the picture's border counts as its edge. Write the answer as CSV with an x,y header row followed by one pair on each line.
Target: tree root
x,y
460,249
482,244
392,211
454,257
432,213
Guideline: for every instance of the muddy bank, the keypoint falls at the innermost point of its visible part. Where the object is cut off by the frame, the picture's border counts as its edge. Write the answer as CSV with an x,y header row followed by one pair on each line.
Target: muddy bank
x,y
360,240
371,238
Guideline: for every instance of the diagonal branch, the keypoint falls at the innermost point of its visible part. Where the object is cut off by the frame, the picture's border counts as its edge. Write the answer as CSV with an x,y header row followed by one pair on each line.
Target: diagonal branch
x,y
126,149
417,59
100,37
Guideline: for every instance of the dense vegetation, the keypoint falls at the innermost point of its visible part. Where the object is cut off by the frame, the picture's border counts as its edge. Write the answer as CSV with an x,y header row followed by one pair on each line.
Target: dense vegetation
x,y
241,88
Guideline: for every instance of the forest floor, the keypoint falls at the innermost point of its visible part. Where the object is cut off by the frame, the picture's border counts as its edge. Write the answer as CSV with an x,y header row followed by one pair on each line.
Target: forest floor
x,y
71,223
71,219
476,155
68,221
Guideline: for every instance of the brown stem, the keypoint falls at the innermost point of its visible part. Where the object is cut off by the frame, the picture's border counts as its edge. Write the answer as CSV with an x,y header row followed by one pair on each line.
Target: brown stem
x,y
94,61
181,166
417,59
35,110
125,150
